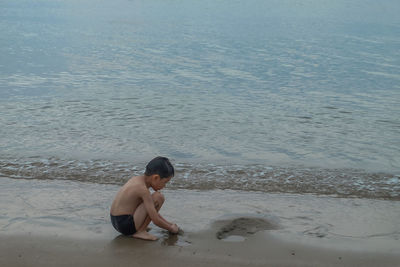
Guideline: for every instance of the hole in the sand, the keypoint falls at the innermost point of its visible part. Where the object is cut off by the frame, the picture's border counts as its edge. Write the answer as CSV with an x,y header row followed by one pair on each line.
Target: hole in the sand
x,y
241,227
174,240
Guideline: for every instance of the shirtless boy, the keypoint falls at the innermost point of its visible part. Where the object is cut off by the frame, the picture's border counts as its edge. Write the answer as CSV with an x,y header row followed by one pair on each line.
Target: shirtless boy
x,y
134,207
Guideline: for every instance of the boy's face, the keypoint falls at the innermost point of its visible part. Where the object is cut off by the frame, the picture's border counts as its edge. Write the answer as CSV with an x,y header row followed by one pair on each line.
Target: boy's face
x,y
159,183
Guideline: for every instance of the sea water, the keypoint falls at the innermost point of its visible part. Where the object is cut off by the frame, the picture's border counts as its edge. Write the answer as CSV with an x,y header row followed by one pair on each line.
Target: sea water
x,y
292,96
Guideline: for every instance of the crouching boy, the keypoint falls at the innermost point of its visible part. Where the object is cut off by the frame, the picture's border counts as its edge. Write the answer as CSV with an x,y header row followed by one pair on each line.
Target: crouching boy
x,y
134,207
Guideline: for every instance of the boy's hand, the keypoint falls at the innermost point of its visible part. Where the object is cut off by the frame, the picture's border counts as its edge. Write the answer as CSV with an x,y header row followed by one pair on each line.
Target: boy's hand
x,y
174,229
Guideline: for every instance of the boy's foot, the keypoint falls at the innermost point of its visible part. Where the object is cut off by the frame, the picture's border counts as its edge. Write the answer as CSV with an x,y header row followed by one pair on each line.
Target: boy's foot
x,y
145,235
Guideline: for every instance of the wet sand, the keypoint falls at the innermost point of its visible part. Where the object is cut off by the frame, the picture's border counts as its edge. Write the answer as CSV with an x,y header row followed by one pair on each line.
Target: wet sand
x,y
66,223
204,250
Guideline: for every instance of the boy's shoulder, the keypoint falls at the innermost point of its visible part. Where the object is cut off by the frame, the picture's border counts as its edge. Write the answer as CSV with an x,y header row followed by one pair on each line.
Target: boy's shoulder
x,y
136,183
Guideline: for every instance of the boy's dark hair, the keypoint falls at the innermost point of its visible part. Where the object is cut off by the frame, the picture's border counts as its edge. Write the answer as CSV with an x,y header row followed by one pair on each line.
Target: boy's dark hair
x,y
161,166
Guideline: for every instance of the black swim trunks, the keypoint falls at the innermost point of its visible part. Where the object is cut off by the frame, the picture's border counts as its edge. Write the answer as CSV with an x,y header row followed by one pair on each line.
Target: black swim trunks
x,y
123,224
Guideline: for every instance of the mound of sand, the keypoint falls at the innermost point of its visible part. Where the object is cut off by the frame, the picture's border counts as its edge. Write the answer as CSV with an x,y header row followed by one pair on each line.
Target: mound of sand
x,y
243,226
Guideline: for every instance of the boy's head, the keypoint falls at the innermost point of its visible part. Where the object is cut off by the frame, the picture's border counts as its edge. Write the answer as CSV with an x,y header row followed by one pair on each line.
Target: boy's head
x,y
161,166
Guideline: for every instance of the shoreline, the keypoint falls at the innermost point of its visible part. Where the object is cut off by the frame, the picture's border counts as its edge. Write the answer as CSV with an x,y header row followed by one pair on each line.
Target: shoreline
x,y
340,182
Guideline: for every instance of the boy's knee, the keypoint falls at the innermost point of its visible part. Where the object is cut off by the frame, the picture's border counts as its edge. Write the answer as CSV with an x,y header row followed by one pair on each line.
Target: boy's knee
x,y
158,197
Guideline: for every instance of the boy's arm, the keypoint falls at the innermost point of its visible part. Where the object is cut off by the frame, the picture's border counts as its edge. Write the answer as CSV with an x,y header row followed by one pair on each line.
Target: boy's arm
x,y
164,219
174,228
153,213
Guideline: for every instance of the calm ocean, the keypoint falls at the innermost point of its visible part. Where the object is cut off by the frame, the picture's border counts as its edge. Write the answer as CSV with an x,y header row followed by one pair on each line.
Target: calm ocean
x,y
294,96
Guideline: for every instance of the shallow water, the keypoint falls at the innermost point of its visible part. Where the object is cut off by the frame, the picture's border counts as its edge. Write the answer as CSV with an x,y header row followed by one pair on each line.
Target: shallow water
x,y
274,96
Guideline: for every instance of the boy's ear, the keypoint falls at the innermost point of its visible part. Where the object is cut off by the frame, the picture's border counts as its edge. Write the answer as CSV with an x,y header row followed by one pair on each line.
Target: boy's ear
x,y
156,176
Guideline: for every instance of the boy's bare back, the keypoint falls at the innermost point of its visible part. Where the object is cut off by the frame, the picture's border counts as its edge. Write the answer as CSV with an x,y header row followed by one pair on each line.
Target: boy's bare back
x,y
128,198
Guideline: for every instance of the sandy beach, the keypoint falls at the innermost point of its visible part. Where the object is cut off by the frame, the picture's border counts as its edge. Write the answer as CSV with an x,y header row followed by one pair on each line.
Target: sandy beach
x,y
65,223
204,250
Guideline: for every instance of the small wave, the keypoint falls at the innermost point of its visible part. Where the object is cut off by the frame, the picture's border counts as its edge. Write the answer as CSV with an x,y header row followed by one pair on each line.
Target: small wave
x,y
273,179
